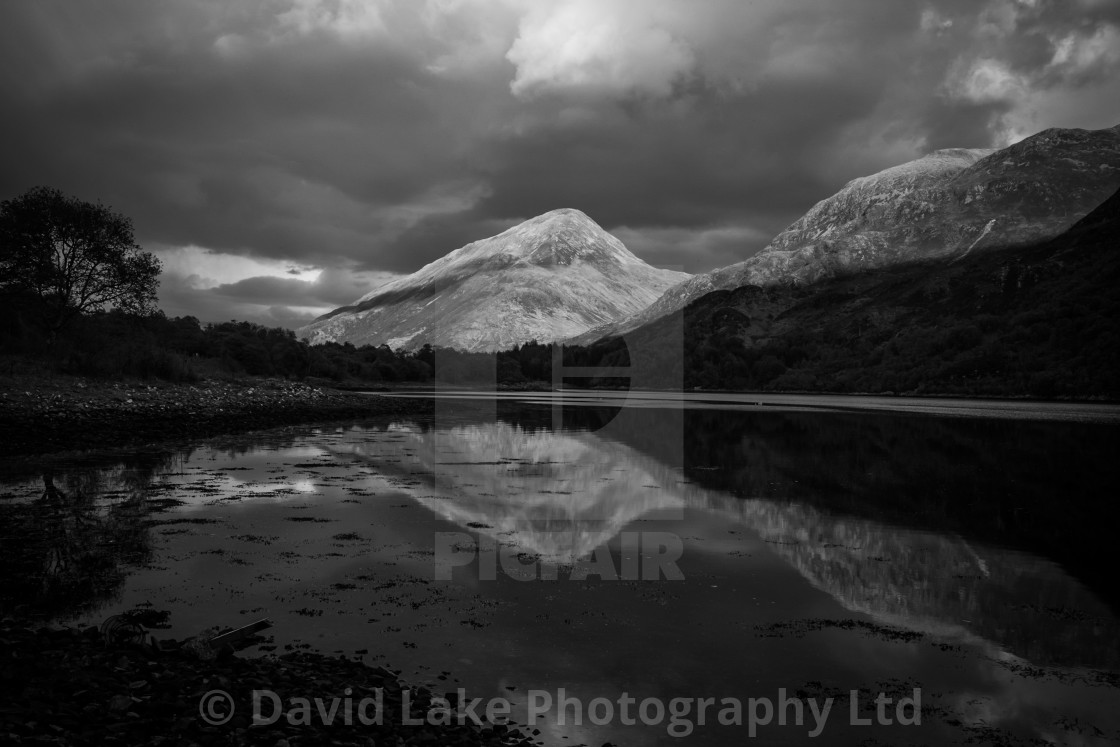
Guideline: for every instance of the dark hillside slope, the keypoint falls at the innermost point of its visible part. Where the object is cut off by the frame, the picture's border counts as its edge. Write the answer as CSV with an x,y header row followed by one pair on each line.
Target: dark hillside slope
x,y
1040,321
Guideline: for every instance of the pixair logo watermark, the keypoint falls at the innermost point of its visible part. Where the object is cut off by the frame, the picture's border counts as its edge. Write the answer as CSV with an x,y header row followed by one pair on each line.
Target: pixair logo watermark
x,y
643,556
679,717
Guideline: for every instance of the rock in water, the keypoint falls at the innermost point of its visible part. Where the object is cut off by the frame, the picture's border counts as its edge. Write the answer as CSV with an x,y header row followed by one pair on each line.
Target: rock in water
x,y
552,277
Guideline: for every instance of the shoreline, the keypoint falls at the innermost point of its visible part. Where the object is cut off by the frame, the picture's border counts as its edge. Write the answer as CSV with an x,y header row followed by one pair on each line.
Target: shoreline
x,y
90,689
41,416
81,687
47,416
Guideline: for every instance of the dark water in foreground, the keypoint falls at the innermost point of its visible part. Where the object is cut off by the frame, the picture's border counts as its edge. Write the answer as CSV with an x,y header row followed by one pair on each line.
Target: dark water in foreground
x,y
821,552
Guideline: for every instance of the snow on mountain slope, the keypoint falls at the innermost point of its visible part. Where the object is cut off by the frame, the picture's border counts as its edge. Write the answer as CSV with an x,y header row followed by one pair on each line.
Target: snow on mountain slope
x,y
942,205
551,277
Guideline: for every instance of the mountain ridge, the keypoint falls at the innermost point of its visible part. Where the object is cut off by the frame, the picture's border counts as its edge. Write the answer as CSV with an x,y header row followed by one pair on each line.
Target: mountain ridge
x,y
547,278
1039,321
951,201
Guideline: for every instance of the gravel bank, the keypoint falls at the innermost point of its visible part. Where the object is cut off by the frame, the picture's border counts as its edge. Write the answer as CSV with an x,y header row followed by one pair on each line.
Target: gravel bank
x,y
44,415
69,687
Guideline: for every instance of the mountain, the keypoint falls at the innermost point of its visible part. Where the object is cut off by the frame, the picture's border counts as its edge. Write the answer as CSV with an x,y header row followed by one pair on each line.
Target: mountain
x,y
946,205
549,278
1041,320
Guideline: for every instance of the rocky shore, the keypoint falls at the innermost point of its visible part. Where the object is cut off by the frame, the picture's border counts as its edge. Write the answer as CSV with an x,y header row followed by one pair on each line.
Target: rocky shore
x,y
69,687
86,687
41,415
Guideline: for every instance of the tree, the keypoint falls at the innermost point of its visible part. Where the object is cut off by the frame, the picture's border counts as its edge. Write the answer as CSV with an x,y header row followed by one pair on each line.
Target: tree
x,y
73,257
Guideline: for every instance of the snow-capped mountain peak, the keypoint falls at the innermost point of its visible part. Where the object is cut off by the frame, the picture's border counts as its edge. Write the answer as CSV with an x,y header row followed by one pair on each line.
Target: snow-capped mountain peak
x,y
550,277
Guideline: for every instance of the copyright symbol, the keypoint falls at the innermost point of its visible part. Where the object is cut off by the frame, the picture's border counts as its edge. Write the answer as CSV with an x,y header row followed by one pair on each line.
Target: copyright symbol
x,y
216,707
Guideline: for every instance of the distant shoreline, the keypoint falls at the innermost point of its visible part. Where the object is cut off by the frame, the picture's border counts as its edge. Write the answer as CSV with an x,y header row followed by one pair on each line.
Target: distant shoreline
x,y
546,387
47,415
1101,412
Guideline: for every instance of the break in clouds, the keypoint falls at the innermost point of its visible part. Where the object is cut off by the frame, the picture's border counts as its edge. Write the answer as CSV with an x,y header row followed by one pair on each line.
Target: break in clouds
x,y
285,156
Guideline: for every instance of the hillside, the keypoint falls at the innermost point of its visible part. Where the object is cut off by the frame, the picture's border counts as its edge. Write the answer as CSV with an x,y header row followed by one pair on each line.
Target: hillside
x,y
1039,321
949,204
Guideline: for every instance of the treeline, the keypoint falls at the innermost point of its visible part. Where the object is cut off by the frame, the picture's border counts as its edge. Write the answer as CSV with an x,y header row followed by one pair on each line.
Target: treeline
x,y
1001,326
114,344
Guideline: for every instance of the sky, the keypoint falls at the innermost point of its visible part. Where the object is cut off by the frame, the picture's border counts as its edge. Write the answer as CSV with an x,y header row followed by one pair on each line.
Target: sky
x,y
284,157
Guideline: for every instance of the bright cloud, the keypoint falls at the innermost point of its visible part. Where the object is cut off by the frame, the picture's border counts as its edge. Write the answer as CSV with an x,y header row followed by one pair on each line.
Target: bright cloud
x,y
344,17
987,81
934,22
210,269
599,46
219,286
1080,54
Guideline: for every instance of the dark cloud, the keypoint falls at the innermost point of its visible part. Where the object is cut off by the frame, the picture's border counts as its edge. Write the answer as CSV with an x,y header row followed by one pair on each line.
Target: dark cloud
x,y
962,124
693,250
363,135
330,289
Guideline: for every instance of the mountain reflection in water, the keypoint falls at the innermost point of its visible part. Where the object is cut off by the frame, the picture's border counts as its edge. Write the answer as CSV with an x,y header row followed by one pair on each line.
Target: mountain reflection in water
x,y
561,494
813,543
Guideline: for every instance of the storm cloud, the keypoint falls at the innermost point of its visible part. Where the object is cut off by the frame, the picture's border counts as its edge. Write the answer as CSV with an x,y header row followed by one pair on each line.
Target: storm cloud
x,y
355,140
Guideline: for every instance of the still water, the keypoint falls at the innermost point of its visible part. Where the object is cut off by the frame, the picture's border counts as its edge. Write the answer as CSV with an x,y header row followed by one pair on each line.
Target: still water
x,y
801,549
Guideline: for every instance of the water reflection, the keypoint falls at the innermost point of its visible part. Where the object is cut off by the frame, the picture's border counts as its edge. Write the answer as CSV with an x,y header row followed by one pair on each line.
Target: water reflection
x,y
556,495
70,538
976,534
561,494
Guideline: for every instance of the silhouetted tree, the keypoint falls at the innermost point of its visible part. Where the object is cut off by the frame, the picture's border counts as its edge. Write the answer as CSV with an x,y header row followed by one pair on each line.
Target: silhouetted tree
x,y
73,257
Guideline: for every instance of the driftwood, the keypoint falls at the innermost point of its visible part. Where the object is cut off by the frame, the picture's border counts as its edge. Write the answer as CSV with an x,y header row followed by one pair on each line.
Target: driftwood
x,y
231,637
122,629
